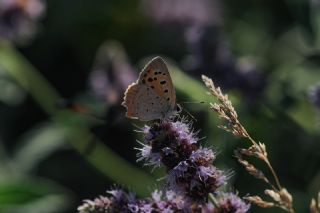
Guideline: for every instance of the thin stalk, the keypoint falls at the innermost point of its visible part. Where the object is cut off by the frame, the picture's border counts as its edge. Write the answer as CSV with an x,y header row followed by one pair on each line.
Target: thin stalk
x,y
269,166
273,173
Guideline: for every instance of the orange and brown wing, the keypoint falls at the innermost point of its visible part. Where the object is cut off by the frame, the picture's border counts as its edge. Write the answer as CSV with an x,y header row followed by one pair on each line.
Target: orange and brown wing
x,y
157,77
129,100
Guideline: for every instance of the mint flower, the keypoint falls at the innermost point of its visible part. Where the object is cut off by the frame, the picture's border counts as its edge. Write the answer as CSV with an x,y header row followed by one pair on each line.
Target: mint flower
x,y
227,203
120,201
190,170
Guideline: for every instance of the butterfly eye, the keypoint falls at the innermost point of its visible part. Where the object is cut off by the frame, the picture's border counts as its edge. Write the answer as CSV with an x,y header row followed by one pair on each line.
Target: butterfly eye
x,y
178,108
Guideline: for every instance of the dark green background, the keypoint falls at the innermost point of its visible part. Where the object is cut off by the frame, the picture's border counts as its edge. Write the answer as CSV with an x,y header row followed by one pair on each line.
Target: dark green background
x,y
45,162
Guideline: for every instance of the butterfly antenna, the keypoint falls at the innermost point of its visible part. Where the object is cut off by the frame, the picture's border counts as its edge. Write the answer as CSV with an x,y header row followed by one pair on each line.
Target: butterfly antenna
x,y
193,102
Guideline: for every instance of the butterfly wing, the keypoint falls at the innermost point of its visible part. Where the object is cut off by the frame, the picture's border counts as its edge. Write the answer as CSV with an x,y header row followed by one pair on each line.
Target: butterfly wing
x,y
153,95
130,101
157,77
144,104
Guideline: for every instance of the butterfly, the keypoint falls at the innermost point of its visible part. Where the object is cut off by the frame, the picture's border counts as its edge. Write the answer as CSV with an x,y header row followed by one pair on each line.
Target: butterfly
x,y
152,96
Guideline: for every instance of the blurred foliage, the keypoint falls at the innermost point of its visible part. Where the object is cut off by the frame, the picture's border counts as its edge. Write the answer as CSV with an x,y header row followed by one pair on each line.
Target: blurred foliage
x,y
264,54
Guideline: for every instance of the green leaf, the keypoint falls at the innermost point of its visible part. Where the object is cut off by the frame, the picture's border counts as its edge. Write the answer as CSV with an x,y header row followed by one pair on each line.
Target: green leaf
x,y
32,195
37,145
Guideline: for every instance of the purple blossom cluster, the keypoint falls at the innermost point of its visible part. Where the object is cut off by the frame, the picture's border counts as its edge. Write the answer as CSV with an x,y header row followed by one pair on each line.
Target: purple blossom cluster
x,y
117,202
18,18
120,201
168,202
210,54
190,169
314,96
191,177
227,202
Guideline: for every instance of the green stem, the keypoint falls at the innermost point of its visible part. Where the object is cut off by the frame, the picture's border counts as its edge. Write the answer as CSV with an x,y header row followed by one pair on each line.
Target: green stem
x,y
28,77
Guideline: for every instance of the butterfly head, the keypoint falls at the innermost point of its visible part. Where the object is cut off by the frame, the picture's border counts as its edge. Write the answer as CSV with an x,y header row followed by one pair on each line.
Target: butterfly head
x,y
178,108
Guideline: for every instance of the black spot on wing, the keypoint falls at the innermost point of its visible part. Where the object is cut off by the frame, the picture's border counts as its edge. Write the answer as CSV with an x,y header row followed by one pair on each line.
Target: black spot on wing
x,y
163,82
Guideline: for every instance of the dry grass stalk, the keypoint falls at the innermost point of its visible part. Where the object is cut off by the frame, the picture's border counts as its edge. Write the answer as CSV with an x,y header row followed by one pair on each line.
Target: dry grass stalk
x,y
259,202
250,168
226,111
283,198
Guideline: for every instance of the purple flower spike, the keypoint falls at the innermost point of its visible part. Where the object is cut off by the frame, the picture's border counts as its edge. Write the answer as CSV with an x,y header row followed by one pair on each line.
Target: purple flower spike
x,y
190,170
227,203
202,155
191,177
101,204
168,143
117,202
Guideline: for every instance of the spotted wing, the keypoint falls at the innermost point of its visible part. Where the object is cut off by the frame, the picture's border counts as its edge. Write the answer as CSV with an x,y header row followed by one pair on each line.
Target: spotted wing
x,y
144,104
157,77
